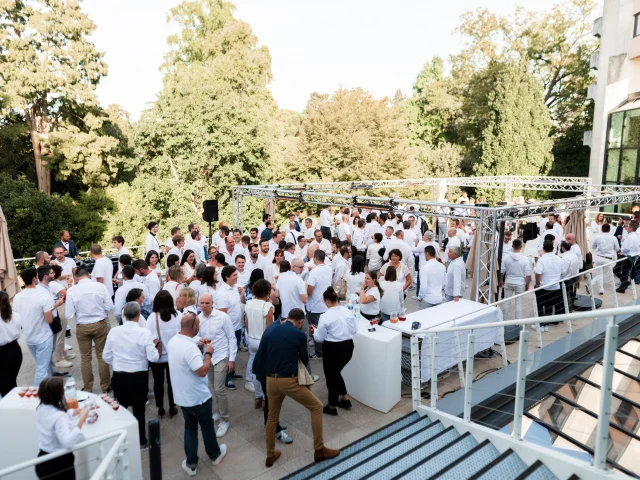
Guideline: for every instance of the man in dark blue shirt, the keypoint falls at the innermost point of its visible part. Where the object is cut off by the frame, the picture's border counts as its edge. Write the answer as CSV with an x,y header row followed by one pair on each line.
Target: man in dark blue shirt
x,y
281,346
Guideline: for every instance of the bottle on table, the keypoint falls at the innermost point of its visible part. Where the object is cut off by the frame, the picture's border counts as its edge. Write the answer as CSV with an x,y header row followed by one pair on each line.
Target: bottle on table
x,y
70,392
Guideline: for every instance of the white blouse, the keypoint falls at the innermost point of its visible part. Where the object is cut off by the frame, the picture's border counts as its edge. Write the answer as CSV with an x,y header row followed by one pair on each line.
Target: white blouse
x,y
337,324
371,308
58,430
10,331
168,330
392,297
354,284
257,311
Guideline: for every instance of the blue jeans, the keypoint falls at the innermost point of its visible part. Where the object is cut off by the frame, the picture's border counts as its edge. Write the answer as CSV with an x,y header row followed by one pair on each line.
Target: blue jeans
x,y
384,317
42,353
203,415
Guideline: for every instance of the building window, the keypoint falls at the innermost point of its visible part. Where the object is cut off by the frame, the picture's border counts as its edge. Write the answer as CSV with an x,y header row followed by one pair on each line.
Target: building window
x,y
636,25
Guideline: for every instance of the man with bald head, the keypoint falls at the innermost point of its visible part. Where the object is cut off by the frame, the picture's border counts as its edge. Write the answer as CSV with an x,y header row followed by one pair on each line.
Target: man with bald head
x,y
216,327
575,248
290,286
188,369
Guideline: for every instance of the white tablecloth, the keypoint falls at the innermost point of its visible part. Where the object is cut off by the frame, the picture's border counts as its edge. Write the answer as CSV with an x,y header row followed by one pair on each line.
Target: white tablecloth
x,y
19,436
373,375
450,314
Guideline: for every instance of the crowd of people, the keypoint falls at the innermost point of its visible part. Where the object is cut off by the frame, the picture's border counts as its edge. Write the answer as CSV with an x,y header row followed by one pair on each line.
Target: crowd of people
x,y
189,306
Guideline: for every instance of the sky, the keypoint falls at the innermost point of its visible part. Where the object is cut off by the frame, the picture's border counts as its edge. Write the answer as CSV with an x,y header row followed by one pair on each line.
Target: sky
x,y
315,45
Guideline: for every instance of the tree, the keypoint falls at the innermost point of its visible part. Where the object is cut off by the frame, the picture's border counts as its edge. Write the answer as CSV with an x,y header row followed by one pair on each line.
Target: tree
x,y
48,63
352,136
509,124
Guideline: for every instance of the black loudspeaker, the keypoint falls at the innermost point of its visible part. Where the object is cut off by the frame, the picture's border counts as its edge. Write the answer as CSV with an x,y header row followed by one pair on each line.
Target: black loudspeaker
x,y
210,210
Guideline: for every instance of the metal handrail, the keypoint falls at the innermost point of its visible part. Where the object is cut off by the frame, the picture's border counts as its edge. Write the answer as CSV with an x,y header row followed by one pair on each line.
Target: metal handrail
x,y
121,434
81,253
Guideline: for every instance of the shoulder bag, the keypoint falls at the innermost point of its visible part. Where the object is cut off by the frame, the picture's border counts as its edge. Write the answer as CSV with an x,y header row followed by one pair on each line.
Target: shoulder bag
x,y
304,377
159,344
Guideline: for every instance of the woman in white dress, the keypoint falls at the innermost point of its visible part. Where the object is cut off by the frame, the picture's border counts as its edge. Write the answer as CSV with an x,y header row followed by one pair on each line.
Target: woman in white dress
x,y
355,277
188,265
273,271
153,260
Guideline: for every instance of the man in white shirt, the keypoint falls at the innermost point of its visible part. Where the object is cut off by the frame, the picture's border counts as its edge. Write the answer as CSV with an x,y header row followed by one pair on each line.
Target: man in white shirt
x,y
359,245
230,251
292,236
372,226
34,308
289,252
290,287
507,245
168,244
548,272
570,269
291,225
67,264
243,273
604,248
374,260
452,242
118,244
308,228
318,280
327,221
301,248
228,299
456,277
554,220
177,249
265,218
102,269
188,368
322,242
129,349
342,265
128,283
266,253
575,248
152,242
410,235
631,250
274,243
255,260
216,327
194,244
344,230
151,282
517,276
407,252
431,277
254,236
549,231
220,238
418,252
90,303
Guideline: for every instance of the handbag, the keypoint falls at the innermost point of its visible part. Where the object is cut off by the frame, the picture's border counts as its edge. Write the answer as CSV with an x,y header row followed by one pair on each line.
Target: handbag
x,y
56,325
159,344
304,377
341,285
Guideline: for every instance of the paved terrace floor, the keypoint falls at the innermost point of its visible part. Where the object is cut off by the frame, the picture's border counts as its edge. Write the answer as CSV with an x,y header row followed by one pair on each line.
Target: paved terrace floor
x,y
246,436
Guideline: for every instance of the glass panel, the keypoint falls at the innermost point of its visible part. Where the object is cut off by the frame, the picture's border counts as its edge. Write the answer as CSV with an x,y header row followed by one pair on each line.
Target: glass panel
x,y
628,169
613,159
636,26
631,133
615,130
622,385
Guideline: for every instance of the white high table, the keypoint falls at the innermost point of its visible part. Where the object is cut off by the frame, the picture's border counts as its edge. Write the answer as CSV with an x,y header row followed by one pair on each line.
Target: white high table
x,y
19,437
372,375
452,346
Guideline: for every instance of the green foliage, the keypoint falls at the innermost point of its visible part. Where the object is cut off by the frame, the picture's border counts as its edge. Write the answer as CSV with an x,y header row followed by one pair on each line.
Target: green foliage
x,y
34,220
16,152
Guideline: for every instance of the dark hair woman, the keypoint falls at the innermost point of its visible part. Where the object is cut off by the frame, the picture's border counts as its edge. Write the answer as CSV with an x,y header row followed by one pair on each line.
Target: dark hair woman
x,y
188,265
164,324
336,329
10,351
58,429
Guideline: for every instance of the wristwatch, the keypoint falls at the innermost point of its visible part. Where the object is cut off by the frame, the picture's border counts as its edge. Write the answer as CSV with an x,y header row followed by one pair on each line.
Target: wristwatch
x,y
208,353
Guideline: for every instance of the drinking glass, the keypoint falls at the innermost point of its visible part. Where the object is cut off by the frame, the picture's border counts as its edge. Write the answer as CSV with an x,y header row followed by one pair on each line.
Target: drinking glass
x,y
403,315
393,318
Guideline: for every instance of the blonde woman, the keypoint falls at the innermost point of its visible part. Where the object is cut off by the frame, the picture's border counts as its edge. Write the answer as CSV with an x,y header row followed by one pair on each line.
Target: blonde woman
x,y
186,298
174,282
596,224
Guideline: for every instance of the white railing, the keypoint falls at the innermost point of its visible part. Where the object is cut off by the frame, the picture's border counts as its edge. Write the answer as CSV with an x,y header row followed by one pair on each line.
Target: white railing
x,y
112,464
82,254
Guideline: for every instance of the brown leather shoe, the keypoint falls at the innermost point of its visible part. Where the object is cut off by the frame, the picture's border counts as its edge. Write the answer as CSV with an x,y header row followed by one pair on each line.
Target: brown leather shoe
x,y
271,460
325,453
258,403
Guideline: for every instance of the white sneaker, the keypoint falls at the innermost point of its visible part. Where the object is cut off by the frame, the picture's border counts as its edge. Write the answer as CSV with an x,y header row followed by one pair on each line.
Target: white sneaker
x,y
315,377
188,470
70,356
535,327
67,347
223,452
147,403
415,297
216,417
311,343
283,437
249,386
222,429
64,364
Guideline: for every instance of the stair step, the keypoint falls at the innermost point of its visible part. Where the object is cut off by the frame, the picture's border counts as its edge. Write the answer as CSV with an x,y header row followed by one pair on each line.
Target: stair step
x,y
410,435
402,457
506,466
438,460
537,471
310,470
474,461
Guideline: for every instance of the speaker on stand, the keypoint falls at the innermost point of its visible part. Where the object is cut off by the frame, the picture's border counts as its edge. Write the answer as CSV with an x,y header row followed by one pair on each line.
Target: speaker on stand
x,y
210,214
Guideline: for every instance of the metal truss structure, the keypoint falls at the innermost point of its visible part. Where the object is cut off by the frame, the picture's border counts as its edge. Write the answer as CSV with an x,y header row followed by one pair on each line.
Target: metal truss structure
x,y
488,219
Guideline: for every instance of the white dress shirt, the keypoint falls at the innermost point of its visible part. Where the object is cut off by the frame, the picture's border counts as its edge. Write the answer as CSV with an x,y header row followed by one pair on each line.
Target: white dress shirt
x,y
196,247
152,284
168,330
570,266
456,278
516,267
152,243
250,266
217,327
556,242
419,251
257,311
358,240
88,301
605,246
103,268
324,245
344,230
229,298
292,236
392,297
550,267
451,242
631,245
31,305
375,260
121,296
407,252
575,248
320,278
58,430
10,330
290,287
129,348
432,276
189,389
410,238
326,219
301,253
67,266
337,324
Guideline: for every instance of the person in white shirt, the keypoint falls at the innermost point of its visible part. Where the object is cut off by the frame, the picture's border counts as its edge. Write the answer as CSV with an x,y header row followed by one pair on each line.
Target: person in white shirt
x,y
399,244
168,244
220,238
549,231
274,243
301,248
548,272
151,283
10,351
308,228
517,276
403,276
604,248
336,328
229,250
327,221
344,230
340,264
596,225
255,260
229,298
118,244
174,282
289,252
554,219
453,241
507,243
392,294
216,327
290,287
262,227
410,237
570,269
374,260
266,254
58,430
631,250
456,278
431,277
129,349
369,296
243,273
359,245
388,237
290,226
128,272
152,242
34,307
90,303
67,264
322,242
177,249
418,252
188,368
575,248
195,245
318,280
354,276
102,269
